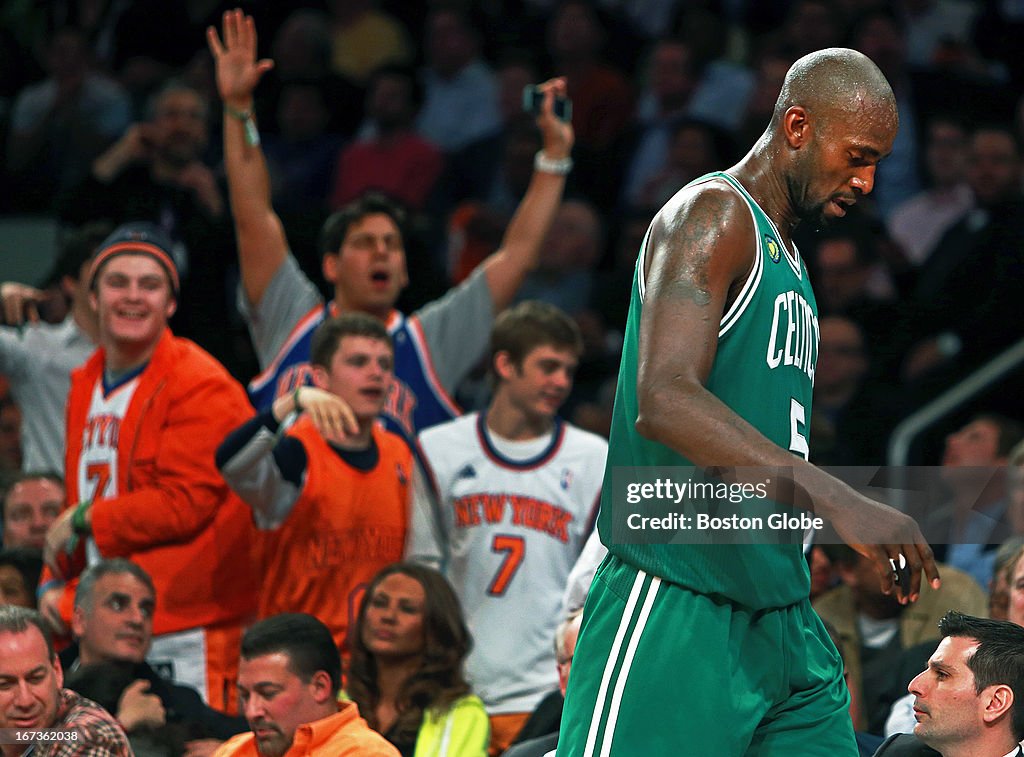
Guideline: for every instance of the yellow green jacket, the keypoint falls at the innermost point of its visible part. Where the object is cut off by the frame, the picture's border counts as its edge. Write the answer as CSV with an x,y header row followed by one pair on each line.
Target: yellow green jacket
x,y
462,731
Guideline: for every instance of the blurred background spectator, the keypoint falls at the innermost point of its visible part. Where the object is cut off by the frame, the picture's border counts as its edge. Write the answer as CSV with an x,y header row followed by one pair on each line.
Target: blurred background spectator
x,y
19,575
31,503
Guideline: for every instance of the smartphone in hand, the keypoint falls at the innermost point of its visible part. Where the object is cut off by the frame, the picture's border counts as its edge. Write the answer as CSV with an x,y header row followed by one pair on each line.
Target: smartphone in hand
x,y
533,99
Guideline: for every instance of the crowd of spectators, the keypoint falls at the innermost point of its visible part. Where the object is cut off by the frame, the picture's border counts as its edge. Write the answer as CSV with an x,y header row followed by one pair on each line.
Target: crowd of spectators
x,y
110,114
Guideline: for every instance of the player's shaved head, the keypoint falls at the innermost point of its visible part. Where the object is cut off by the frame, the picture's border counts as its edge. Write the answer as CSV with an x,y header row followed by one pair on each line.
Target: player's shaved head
x,y
834,83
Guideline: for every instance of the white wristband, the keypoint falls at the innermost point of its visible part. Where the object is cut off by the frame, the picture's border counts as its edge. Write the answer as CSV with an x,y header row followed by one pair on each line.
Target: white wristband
x,y
557,166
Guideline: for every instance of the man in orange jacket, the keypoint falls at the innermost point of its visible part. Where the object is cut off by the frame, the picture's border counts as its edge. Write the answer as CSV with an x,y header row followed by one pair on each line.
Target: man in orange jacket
x,y
144,417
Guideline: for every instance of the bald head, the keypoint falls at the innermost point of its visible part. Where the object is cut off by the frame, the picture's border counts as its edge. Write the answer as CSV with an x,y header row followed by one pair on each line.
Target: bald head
x,y
835,83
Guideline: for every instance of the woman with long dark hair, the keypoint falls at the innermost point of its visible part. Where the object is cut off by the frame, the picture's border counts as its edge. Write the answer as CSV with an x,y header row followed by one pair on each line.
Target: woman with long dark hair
x,y
405,670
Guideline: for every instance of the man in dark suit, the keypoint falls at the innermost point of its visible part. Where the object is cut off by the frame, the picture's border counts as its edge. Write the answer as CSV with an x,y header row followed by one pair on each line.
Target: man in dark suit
x,y
969,702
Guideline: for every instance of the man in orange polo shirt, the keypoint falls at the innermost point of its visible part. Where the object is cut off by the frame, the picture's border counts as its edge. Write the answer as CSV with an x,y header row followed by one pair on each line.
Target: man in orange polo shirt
x,y
288,684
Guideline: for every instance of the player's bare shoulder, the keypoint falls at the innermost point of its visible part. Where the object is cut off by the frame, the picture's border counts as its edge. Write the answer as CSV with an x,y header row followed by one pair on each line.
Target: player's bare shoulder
x,y
704,235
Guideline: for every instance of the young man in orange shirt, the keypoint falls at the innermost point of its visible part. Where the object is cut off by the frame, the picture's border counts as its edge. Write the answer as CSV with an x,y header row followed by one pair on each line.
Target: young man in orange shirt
x,y
328,486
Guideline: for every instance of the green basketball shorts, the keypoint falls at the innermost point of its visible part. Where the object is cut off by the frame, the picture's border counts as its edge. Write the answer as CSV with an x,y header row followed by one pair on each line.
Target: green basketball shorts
x,y
659,670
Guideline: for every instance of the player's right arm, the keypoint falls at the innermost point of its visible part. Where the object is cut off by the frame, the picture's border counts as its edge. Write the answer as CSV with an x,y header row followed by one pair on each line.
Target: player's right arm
x,y
262,247
700,251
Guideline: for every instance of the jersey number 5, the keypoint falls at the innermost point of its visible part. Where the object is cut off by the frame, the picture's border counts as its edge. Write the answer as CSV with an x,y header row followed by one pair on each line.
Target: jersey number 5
x,y
514,548
797,430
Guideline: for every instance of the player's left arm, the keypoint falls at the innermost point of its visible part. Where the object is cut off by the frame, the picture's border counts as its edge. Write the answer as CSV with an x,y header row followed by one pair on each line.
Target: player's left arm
x,y
520,247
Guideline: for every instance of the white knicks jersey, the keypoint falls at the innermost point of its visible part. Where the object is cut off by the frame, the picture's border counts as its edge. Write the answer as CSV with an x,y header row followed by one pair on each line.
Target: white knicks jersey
x,y
506,532
98,472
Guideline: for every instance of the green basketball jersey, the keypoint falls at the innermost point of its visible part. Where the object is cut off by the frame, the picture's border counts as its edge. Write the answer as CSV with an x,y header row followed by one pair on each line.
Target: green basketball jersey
x,y
764,371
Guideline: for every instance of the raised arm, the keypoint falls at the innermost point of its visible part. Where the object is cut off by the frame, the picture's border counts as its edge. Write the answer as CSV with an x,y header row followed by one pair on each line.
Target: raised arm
x,y
262,247
699,251
520,247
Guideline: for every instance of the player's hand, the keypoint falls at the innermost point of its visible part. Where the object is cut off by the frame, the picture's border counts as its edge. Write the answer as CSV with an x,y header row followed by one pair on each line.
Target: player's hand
x,y
882,533
58,537
238,71
20,302
138,707
201,747
557,134
49,608
330,414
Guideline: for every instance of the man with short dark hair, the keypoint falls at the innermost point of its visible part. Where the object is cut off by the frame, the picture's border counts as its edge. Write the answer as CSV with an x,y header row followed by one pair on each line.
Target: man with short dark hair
x,y
327,484
289,679
952,334
364,260
157,172
971,524
32,697
970,700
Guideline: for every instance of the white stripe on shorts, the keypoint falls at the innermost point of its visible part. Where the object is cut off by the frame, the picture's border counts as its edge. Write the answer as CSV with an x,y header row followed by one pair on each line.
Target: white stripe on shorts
x,y
602,692
620,683
613,656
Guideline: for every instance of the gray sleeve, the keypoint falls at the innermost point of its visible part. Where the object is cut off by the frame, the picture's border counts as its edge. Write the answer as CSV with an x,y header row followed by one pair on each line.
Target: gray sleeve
x,y
14,354
253,474
457,328
426,540
289,296
582,574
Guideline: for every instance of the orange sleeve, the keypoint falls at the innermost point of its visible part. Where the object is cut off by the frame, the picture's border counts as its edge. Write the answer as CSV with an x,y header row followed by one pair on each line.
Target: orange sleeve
x,y
176,493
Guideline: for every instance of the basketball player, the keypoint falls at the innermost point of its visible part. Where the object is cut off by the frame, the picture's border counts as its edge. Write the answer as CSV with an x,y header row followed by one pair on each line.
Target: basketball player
x,y
714,649
511,499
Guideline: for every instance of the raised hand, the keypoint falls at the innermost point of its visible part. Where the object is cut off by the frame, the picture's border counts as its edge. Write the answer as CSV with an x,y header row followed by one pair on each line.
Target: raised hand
x,y
558,135
238,71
